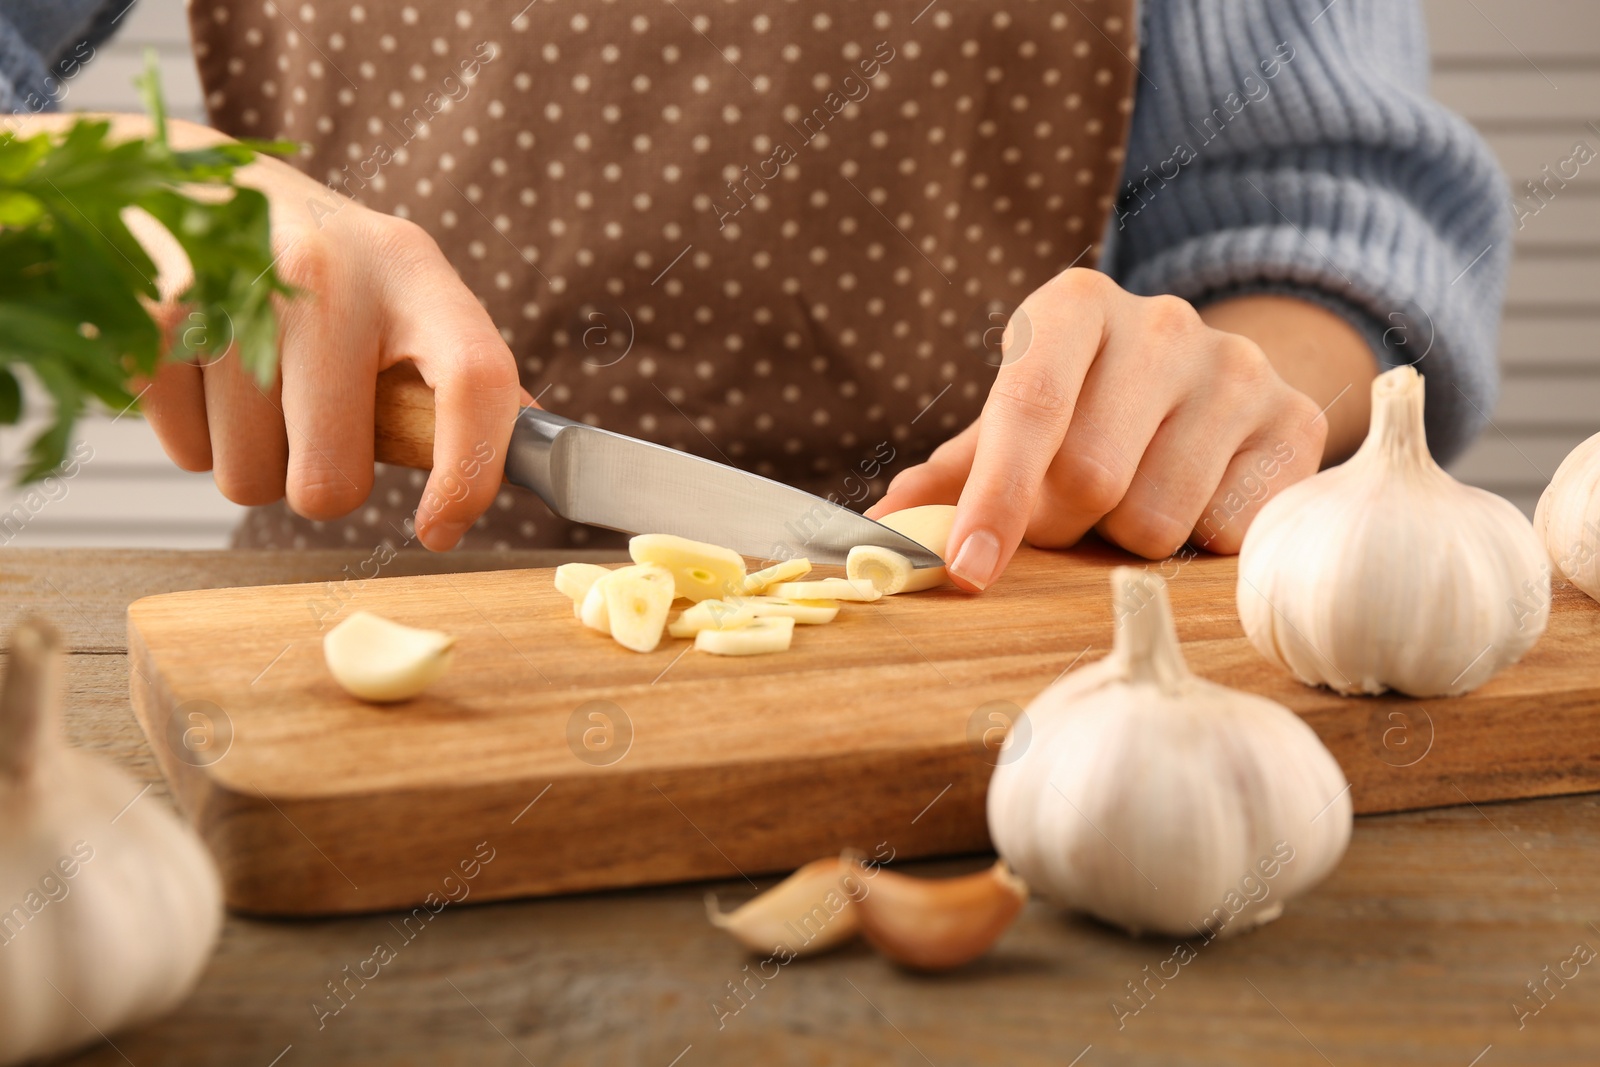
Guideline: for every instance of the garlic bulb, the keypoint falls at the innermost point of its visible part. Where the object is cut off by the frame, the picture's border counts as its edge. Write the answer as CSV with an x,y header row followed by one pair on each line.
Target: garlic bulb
x,y
109,906
1567,519
1158,801
1387,573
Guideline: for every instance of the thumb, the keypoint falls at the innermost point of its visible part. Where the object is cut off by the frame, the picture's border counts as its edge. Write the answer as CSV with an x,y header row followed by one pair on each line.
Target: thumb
x,y
937,481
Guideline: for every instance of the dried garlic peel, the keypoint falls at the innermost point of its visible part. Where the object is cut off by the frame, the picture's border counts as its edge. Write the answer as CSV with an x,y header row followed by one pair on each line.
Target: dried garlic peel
x,y
934,924
803,612
827,589
808,912
381,661
787,571
754,638
699,571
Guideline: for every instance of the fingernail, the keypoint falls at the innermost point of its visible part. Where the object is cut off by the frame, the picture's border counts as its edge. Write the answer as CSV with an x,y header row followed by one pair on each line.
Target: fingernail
x,y
977,558
440,536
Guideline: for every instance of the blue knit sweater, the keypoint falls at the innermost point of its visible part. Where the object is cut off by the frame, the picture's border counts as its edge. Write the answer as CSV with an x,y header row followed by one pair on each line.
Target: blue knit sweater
x,y
1284,146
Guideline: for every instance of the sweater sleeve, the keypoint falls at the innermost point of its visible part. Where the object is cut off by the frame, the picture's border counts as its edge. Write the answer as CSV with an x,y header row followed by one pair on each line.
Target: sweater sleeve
x,y
1290,146
44,42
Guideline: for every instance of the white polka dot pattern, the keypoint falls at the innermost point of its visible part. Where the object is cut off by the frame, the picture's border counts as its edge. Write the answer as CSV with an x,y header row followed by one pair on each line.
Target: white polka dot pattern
x,y
770,233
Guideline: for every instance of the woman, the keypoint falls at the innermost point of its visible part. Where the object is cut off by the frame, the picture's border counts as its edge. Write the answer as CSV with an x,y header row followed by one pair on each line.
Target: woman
x,y
790,236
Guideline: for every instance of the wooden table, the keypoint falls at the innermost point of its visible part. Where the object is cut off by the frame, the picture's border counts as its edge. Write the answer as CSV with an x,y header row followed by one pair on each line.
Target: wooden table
x,y
1416,951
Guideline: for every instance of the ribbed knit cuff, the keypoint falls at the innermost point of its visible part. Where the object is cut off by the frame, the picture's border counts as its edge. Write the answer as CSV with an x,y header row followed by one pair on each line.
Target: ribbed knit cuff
x,y
1359,250
22,74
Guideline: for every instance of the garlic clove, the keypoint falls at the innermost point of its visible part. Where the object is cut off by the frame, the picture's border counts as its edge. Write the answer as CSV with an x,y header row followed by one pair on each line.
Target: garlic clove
x,y
710,615
700,571
1160,802
592,612
637,601
1386,573
378,660
574,579
758,636
809,912
803,612
929,526
934,924
786,571
827,589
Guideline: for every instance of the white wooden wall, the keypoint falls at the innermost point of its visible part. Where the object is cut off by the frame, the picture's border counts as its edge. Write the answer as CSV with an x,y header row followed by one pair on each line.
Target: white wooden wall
x,y
1526,72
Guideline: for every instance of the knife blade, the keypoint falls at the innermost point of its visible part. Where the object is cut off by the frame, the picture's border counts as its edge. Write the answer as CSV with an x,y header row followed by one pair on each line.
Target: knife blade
x,y
603,478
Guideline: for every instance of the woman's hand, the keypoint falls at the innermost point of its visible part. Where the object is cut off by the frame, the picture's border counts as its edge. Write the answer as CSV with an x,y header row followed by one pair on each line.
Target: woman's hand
x,y
1131,416
373,290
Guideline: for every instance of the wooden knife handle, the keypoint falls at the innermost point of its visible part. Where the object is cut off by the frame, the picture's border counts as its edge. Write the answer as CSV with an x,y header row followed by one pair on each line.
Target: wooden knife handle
x,y
404,419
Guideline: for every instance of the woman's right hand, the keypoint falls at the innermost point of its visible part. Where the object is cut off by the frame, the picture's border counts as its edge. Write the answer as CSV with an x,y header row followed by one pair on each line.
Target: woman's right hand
x,y
372,290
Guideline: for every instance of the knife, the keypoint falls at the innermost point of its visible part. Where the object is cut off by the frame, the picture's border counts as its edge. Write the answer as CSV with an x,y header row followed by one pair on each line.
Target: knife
x,y
601,478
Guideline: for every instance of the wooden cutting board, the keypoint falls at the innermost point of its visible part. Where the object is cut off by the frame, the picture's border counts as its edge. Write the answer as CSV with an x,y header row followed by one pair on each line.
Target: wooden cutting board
x,y
578,765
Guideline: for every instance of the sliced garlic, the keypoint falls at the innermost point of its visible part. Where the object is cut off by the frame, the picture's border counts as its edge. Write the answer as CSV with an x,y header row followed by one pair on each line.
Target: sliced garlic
x,y
592,612
827,589
884,569
382,661
806,913
929,526
934,924
699,571
804,612
786,571
637,602
710,615
574,579
752,639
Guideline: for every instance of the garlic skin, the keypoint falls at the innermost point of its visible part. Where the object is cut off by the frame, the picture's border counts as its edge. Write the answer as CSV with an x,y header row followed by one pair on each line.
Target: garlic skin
x,y
1157,801
1386,573
124,936
1567,518
935,924
808,912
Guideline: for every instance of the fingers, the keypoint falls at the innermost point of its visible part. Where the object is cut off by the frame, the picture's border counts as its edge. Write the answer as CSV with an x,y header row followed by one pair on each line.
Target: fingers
x,y
174,403
936,481
248,451
1049,345
436,323
1286,452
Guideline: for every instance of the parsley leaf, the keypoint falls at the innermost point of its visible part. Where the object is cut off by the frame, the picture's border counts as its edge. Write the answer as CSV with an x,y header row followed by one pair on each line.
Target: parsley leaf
x,y
77,290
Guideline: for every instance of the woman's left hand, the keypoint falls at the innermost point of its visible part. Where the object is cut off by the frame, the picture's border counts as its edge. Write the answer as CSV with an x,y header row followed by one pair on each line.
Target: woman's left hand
x,y
1124,414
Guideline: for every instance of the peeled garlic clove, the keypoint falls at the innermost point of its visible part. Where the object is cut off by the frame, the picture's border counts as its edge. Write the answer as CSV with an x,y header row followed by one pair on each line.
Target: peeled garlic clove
x,y
382,661
786,571
1386,573
827,589
752,639
1160,802
592,612
710,615
934,924
890,572
638,600
806,913
803,612
1567,520
574,579
700,571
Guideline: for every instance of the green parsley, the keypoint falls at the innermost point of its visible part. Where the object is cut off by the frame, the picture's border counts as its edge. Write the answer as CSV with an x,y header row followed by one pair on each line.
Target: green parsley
x,y
76,288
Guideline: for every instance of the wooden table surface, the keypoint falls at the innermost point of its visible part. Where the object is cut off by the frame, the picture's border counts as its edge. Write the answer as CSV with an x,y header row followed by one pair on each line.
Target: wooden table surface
x,y
1418,950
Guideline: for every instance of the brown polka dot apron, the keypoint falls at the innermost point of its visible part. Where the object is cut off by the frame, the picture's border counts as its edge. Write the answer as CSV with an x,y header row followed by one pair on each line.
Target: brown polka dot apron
x,y
784,235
